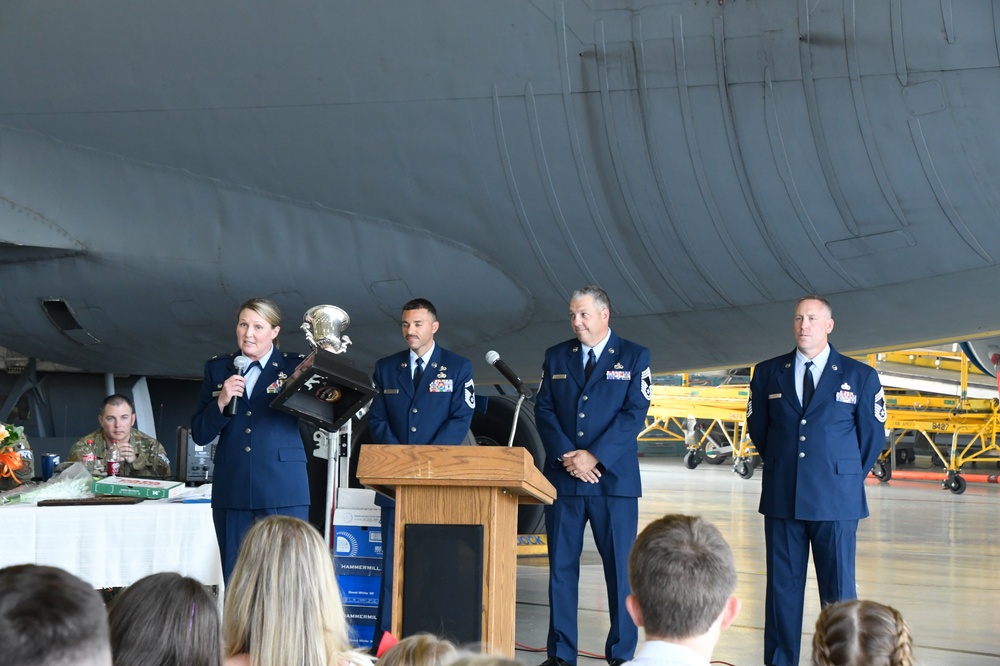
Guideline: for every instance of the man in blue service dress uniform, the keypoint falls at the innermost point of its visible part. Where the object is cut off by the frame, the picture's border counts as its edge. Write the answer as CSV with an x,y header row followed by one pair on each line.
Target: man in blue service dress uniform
x,y
817,420
425,395
590,409
260,460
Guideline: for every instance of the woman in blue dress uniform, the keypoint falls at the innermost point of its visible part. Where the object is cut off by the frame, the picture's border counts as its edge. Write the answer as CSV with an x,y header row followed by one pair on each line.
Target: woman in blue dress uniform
x,y
260,460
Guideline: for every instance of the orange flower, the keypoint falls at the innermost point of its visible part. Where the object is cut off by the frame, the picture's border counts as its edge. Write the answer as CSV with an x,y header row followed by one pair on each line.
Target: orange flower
x,y
10,460
3,432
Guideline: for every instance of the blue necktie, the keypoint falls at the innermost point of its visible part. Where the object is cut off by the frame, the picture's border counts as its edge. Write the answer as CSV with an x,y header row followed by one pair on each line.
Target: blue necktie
x,y
591,362
251,381
418,372
808,387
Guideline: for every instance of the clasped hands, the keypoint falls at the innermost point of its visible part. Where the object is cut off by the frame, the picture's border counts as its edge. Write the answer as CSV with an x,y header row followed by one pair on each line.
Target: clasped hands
x,y
582,465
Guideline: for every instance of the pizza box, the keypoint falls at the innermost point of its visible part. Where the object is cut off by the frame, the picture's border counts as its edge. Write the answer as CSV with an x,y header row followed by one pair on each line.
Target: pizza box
x,y
133,487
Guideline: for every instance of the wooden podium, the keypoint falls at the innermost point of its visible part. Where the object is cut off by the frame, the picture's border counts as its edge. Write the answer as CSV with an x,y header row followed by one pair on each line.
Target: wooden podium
x,y
461,485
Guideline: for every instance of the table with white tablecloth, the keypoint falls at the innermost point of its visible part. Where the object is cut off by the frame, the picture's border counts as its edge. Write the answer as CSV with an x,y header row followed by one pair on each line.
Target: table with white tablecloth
x,y
114,545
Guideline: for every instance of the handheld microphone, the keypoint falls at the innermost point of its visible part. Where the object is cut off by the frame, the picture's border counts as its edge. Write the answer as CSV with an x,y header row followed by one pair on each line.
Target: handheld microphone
x,y
493,358
240,363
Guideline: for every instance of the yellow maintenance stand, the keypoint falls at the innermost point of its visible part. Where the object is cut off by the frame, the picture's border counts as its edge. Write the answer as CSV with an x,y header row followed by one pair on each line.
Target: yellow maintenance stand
x,y
712,420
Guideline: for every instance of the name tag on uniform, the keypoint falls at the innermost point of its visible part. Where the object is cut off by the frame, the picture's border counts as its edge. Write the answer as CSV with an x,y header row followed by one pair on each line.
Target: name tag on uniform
x,y
216,394
558,376
774,396
849,397
390,391
441,386
625,375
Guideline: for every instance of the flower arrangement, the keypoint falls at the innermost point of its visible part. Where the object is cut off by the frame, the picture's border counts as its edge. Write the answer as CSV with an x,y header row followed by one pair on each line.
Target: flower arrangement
x,y
11,438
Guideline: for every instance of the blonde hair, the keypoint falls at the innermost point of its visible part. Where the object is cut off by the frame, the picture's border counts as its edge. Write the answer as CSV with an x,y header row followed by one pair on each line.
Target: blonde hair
x,y
282,604
420,650
855,632
265,307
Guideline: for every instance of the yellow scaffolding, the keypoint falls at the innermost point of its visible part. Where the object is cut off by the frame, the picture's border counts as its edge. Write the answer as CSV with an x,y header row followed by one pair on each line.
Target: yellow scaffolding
x,y
970,426
713,421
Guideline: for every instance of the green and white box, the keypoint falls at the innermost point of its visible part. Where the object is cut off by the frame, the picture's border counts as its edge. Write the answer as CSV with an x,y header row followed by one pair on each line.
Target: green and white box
x,y
133,487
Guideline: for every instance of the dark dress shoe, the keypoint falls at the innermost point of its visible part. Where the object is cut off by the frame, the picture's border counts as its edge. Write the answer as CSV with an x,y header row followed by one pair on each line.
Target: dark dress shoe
x,y
556,661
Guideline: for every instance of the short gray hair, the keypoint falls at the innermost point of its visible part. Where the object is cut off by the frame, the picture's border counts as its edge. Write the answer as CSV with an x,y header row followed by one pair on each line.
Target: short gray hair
x,y
601,298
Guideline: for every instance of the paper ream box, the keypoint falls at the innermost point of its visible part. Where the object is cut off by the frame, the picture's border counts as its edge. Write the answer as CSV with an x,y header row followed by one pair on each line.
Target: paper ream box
x,y
135,487
357,566
356,533
360,590
361,620
360,541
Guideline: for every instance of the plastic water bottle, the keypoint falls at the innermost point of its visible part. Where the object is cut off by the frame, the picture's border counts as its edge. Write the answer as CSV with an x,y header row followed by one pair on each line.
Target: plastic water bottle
x,y
89,457
114,463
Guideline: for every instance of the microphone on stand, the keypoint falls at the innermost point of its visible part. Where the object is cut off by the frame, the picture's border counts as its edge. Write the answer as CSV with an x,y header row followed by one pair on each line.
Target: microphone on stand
x,y
493,358
240,363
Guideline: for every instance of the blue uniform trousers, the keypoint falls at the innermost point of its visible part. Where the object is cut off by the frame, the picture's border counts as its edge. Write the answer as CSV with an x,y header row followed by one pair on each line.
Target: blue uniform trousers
x,y
614,523
787,541
231,526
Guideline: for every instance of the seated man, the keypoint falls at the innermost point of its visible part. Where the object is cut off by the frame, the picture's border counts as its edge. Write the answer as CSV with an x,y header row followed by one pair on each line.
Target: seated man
x,y
141,455
683,578
49,617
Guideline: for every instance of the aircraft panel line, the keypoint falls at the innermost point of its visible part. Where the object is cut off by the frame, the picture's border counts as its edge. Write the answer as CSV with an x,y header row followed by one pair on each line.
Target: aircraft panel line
x,y
940,192
777,248
785,170
861,111
698,165
816,123
653,150
581,167
515,195
898,54
555,207
626,193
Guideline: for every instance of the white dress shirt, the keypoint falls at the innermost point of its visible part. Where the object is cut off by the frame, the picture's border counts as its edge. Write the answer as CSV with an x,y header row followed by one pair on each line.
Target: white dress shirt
x,y
819,363
662,653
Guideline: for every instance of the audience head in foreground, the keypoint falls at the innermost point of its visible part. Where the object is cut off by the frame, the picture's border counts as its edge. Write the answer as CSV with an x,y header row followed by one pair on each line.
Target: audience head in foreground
x,y
50,617
683,577
420,650
856,632
165,619
282,604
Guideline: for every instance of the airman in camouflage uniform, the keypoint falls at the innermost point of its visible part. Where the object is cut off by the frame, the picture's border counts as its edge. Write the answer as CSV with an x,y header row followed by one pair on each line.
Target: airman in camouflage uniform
x,y
141,455
150,457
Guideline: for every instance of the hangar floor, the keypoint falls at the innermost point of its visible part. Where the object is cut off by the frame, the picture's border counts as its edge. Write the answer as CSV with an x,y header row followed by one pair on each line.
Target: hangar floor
x,y
927,552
